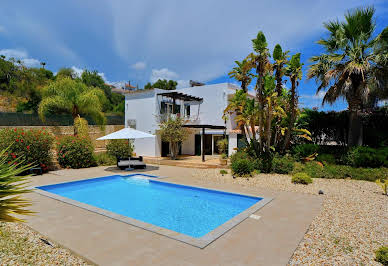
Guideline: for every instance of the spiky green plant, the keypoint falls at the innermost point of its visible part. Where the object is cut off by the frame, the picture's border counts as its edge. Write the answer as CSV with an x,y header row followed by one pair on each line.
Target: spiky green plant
x,y
242,73
12,186
384,185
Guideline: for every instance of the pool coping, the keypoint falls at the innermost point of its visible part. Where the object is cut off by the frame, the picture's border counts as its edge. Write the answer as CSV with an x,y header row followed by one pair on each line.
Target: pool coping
x,y
201,242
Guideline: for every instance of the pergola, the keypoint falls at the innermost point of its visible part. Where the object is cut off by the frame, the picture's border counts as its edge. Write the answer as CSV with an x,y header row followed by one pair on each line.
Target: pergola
x,y
203,127
174,95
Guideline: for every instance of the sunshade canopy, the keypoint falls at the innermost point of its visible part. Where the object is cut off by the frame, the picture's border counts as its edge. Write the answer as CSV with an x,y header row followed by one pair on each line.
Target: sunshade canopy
x,y
127,133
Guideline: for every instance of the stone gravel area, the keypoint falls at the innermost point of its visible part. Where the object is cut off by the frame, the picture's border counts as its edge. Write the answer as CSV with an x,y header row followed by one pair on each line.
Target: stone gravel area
x,y
353,222
19,245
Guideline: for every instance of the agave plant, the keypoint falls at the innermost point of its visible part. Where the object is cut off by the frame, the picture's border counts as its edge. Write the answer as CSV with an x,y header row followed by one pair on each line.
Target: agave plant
x,y
12,185
384,185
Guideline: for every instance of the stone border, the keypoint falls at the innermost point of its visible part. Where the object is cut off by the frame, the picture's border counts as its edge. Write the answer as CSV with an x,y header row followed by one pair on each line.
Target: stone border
x,y
201,242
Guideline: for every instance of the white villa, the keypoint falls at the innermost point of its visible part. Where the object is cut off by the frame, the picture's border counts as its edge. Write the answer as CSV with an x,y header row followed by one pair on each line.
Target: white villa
x,y
202,106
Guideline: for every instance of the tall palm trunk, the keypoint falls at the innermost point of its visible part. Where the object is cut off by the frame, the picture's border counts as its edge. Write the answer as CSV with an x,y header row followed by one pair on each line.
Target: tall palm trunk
x,y
293,103
278,76
355,133
260,99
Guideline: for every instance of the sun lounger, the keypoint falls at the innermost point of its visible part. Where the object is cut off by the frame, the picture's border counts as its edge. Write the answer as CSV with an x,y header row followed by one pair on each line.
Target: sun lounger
x,y
132,162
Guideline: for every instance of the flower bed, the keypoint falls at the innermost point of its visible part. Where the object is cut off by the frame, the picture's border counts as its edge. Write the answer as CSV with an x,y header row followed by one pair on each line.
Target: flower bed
x,y
32,146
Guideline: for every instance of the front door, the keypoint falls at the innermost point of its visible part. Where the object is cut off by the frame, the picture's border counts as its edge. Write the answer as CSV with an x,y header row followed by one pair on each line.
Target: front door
x,y
165,149
208,143
197,144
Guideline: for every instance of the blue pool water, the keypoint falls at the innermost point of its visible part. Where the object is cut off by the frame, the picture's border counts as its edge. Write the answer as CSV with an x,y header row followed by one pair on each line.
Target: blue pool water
x,y
187,210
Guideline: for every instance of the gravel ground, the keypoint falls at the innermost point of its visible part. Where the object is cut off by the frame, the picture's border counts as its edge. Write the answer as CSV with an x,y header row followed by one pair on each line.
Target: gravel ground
x,y
19,245
353,222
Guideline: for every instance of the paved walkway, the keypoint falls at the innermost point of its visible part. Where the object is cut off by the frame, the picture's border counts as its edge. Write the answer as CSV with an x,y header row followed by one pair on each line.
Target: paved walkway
x,y
271,240
188,161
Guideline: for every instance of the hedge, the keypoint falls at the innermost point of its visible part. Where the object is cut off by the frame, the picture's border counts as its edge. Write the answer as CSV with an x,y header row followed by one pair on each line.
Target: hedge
x,y
31,146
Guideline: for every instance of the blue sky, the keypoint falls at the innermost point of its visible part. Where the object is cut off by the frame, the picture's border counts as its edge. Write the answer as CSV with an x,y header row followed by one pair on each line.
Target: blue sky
x,y
142,41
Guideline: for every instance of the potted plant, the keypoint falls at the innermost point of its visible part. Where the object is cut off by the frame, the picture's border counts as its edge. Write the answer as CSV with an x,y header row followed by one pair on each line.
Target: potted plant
x,y
222,147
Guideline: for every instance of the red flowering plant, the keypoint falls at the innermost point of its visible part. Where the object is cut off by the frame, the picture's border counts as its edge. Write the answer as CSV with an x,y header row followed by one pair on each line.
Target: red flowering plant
x,y
30,146
75,152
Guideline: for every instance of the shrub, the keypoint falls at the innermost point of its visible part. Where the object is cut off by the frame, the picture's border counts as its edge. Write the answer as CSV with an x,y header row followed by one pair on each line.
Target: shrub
x,y
223,172
120,148
304,150
315,170
367,157
282,165
103,158
242,167
30,146
239,155
326,158
382,255
301,178
222,145
257,164
75,152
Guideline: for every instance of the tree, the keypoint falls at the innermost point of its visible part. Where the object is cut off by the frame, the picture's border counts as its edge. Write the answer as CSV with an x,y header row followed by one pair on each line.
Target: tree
x,y
173,132
66,72
115,101
242,73
261,63
148,86
163,84
280,59
352,65
12,185
294,72
74,97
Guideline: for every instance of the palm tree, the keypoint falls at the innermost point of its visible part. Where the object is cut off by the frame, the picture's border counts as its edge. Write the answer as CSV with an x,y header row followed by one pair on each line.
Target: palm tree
x,y
242,73
66,95
294,72
262,65
349,67
280,58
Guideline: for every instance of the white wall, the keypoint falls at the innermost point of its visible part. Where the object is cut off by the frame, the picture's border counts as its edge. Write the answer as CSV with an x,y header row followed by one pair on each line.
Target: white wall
x,y
214,102
188,146
232,143
143,108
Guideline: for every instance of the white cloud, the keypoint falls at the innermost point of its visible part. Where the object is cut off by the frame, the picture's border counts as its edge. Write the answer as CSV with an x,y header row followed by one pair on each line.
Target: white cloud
x,y
31,62
139,65
78,71
20,55
201,39
183,84
15,53
163,73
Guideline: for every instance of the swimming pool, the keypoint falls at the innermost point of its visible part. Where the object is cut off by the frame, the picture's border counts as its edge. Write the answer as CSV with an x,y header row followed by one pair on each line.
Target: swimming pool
x,y
191,211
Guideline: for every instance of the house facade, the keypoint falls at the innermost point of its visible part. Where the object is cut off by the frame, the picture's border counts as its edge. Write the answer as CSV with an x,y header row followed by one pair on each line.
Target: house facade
x,y
201,106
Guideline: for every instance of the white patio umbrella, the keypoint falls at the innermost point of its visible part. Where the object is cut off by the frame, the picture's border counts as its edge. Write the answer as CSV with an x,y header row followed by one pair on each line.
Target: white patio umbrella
x,y
127,133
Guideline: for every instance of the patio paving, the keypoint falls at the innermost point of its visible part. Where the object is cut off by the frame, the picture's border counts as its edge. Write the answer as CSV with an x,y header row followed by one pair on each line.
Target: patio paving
x,y
270,240
188,161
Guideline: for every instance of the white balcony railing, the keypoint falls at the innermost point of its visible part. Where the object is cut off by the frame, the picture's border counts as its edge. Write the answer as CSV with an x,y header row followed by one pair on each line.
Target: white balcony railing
x,y
189,118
